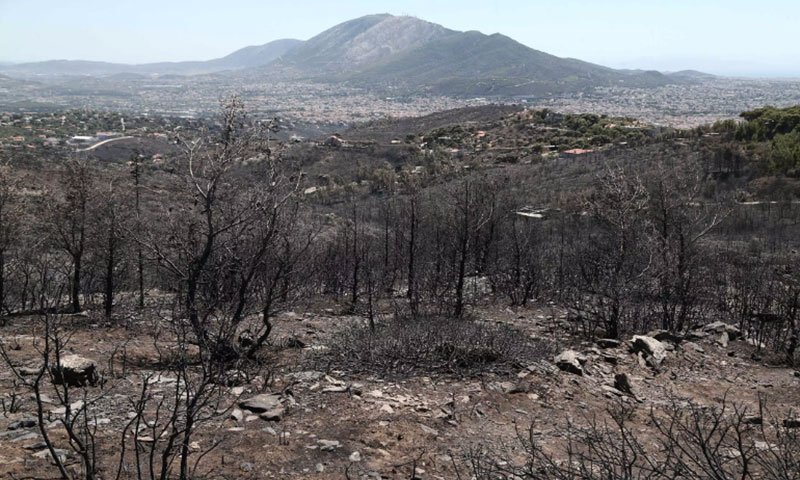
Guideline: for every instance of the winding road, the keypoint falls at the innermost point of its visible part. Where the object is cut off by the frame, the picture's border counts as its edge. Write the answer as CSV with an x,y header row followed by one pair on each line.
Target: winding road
x,y
104,142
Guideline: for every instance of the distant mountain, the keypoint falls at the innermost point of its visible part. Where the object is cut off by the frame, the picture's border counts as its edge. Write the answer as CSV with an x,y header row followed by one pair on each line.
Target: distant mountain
x,y
65,67
393,52
247,57
384,50
256,56
692,75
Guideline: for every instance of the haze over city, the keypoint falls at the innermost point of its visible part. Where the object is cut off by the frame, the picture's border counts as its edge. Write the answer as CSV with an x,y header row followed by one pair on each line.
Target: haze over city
x,y
734,37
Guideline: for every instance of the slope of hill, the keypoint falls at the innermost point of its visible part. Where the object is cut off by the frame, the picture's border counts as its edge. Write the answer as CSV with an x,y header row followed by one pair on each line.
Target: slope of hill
x,y
472,63
256,55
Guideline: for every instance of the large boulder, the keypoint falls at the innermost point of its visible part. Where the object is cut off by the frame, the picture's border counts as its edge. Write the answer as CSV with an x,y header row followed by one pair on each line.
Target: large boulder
x,y
722,327
570,361
654,351
75,371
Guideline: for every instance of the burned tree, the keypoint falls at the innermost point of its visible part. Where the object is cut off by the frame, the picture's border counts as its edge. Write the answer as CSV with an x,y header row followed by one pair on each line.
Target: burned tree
x,y
69,217
612,258
225,233
9,226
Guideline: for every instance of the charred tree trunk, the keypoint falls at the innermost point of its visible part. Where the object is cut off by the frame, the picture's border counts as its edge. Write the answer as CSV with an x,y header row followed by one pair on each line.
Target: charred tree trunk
x,y
75,286
412,248
109,283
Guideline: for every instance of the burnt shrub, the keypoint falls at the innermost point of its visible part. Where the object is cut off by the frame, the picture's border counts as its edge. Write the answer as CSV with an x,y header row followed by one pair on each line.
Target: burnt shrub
x,y
686,441
429,343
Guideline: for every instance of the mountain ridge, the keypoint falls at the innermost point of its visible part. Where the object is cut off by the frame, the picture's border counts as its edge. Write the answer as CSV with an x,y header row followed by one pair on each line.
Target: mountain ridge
x,y
389,52
246,57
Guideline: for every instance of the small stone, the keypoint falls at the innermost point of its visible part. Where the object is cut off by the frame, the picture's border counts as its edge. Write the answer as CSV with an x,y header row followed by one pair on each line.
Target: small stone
x,y
623,384
273,415
237,391
237,415
26,437
24,423
608,343
161,379
429,430
336,389
74,407
570,361
295,342
752,420
505,387
235,378
35,446
791,423
692,346
355,457
386,408
246,467
45,454
328,445
612,359
319,468
307,376
334,381
613,391
641,360
762,445
28,371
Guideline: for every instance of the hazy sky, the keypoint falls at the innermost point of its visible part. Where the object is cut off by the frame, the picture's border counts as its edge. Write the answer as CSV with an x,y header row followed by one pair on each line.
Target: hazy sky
x,y
735,37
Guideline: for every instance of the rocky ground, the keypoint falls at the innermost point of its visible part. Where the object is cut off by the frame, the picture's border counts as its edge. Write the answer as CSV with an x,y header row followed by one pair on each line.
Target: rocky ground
x,y
301,418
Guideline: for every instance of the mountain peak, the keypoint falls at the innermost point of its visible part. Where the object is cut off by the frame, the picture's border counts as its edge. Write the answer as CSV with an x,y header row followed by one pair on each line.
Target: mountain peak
x,y
365,40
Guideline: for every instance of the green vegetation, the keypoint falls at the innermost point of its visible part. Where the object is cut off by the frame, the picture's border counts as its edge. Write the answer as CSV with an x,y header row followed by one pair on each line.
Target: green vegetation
x,y
534,132
764,124
770,135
